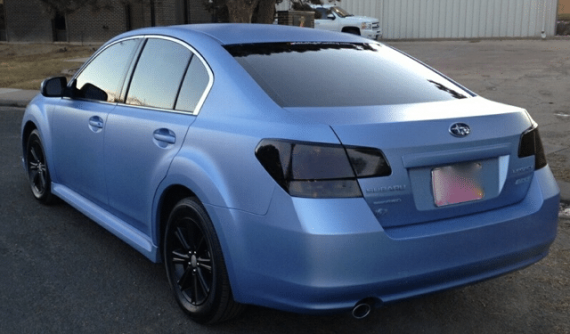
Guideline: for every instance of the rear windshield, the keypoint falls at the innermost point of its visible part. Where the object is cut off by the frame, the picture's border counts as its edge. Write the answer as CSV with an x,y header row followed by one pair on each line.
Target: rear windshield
x,y
341,74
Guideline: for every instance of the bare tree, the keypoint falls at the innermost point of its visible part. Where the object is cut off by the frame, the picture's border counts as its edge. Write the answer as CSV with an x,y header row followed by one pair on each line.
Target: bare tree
x,y
242,11
265,12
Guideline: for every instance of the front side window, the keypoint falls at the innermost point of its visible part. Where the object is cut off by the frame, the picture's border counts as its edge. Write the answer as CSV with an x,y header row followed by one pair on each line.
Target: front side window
x,y
103,78
158,74
341,12
321,13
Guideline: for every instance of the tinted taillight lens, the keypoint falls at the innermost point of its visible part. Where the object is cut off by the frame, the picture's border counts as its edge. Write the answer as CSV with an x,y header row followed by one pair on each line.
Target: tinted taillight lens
x,y
319,170
368,162
531,144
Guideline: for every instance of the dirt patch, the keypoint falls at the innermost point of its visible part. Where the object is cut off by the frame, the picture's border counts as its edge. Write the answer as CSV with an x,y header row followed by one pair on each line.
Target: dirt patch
x,y
25,66
560,166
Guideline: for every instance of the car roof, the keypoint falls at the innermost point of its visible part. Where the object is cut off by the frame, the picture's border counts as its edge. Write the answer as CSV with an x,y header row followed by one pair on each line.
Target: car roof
x,y
246,33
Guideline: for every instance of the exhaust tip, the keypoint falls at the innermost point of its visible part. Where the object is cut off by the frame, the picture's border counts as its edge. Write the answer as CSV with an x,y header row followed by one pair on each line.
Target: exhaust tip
x,y
361,310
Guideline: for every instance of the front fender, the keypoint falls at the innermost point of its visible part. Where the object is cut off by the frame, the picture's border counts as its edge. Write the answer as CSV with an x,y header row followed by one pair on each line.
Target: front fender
x,y
37,115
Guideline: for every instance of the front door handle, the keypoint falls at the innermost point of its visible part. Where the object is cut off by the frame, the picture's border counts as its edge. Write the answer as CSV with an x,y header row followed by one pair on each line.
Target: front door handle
x,y
96,123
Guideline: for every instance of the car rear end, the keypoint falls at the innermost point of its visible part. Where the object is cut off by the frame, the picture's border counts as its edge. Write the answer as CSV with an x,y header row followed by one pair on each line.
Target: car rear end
x,y
427,186
451,211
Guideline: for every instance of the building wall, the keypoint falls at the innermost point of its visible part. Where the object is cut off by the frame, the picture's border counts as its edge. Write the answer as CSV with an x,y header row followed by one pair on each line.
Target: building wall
x,y
2,22
563,6
89,25
26,21
439,19
198,14
419,19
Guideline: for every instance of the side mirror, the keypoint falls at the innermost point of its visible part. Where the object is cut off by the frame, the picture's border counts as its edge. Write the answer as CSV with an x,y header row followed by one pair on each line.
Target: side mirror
x,y
331,17
92,92
54,87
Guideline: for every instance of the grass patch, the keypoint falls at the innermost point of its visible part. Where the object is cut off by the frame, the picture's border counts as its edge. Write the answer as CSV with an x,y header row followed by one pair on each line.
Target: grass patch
x,y
25,66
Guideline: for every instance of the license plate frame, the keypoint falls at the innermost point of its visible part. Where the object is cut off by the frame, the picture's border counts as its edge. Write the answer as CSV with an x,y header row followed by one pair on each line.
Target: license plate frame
x,y
457,183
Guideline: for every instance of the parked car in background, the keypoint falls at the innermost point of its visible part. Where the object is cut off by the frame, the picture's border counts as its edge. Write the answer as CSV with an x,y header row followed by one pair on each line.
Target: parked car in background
x,y
334,18
299,169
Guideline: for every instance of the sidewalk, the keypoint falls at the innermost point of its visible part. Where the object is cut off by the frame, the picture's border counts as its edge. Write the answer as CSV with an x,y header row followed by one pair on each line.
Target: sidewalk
x,y
16,97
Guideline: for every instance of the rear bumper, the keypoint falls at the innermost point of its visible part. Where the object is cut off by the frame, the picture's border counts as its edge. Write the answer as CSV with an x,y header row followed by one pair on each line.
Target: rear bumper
x,y
316,256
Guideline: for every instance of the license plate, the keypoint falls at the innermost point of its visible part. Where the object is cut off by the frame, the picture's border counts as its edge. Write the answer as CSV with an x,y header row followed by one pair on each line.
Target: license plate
x,y
457,183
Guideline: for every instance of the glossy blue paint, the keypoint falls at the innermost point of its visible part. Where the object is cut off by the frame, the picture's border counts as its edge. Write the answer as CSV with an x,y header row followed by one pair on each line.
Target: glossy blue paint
x,y
115,162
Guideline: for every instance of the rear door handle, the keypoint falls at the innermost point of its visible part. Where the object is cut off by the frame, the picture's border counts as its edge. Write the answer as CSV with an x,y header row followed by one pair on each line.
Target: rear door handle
x,y
164,137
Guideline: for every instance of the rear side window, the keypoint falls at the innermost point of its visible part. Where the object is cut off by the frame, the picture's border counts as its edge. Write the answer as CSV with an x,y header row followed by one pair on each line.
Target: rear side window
x,y
195,83
341,74
103,78
158,74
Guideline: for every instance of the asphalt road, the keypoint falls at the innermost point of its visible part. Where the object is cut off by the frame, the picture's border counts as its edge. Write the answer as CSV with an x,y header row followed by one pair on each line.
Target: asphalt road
x,y
62,273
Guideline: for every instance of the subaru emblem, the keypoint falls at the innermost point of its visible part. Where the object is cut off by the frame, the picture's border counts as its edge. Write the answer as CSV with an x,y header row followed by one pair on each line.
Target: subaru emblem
x,y
459,130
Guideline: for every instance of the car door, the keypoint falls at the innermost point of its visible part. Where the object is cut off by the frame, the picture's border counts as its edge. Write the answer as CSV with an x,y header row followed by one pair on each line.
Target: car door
x,y
144,134
325,22
78,123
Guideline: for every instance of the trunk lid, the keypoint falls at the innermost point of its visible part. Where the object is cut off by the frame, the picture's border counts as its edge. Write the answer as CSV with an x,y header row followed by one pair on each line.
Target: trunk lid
x,y
436,175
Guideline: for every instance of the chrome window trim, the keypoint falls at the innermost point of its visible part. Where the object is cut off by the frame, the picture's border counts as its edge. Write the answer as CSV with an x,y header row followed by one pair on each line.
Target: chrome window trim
x,y
195,53
91,59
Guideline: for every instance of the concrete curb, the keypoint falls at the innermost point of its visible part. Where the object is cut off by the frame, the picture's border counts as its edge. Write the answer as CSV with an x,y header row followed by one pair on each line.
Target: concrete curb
x,y
564,191
10,97
13,103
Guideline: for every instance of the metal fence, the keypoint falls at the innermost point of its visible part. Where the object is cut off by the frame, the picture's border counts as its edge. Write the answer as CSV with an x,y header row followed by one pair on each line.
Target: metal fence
x,y
440,19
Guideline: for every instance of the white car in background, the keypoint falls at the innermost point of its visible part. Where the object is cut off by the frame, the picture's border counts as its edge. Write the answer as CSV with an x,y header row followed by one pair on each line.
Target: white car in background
x,y
335,18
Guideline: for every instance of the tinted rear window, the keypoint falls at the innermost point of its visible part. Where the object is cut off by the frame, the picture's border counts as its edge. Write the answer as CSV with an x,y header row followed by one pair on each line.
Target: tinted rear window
x,y
339,74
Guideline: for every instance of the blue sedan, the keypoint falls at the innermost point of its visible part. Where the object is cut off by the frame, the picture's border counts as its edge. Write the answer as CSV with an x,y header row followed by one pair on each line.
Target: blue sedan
x,y
297,169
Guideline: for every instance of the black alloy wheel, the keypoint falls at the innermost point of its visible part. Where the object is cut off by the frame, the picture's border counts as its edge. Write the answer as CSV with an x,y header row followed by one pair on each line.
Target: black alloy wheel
x,y
38,172
195,265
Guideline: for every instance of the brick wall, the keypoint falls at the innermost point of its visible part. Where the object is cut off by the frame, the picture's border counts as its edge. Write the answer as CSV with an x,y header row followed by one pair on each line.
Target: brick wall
x,y
139,15
198,14
2,22
90,25
170,12
165,11
27,21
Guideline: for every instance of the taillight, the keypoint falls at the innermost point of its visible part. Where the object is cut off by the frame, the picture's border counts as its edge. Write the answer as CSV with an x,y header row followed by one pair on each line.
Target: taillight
x,y
320,170
531,144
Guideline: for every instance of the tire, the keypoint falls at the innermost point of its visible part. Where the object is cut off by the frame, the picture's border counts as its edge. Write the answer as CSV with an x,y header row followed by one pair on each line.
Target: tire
x,y
37,168
195,265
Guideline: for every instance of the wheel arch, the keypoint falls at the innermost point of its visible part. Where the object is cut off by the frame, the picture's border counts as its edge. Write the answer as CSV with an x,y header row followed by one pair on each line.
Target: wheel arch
x,y
168,200
185,178
27,129
351,30
192,174
165,203
36,118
